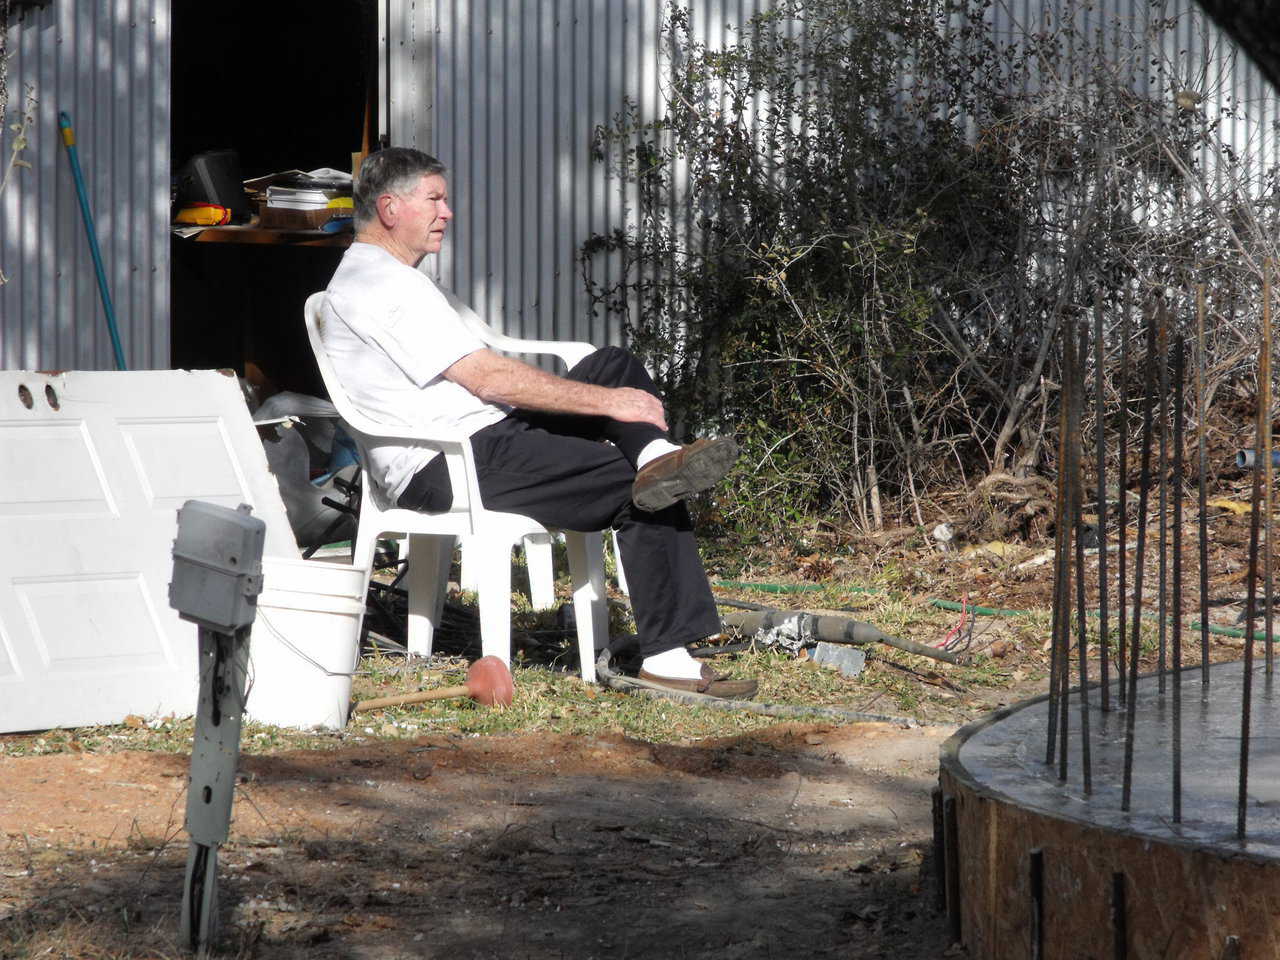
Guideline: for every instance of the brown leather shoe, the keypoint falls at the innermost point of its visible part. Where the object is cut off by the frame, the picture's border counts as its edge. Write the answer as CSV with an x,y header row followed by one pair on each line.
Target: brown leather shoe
x,y
681,473
711,684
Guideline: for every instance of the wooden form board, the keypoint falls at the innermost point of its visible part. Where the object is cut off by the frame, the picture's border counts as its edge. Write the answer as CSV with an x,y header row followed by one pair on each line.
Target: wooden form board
x,y
1020,882
93,468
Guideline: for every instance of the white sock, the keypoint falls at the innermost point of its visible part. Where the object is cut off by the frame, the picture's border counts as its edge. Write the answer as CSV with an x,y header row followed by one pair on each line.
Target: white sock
x,y
675,662
655,449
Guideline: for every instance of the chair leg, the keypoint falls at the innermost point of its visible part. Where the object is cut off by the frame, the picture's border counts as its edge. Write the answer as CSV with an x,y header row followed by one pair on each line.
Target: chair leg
x,y
494,583
426,579
542,579
590,607
617,562
364,548
469,572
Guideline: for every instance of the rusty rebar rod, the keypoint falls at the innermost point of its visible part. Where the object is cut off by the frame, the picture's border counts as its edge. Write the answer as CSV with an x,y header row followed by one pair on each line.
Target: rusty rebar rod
x,y
1202,492
1162,590
1059,578
1104,639
1063,605
1076,456
1122,502
1264,376
1251,599
1179,371
1135,650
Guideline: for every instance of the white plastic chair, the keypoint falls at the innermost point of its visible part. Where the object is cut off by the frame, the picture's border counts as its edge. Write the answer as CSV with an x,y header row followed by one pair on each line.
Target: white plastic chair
x,y
537,549
489,534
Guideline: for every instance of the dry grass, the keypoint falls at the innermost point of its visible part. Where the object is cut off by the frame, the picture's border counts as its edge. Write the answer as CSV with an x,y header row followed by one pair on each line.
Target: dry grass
x,y
552,699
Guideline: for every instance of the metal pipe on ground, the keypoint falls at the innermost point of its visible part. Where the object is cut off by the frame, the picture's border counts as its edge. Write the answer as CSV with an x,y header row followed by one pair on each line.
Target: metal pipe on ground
x,y
831,629
1248,459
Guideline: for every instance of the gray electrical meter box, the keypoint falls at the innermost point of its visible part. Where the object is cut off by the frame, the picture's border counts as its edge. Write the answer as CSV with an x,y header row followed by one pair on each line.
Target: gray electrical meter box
x,y
217,565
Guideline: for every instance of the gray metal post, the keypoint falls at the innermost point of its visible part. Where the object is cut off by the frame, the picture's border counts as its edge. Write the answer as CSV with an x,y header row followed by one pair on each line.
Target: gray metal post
x,y
217,576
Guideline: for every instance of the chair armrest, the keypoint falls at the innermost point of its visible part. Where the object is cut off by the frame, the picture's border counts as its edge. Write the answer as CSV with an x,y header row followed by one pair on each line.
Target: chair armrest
x,y
570,351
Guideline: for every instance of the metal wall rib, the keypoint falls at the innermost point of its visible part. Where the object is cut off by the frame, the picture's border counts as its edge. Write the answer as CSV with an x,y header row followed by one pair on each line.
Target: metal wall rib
x,y
106,62
406,88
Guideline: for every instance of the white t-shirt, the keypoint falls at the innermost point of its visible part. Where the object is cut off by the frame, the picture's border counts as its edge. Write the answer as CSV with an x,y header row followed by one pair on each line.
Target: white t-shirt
x,y
391,334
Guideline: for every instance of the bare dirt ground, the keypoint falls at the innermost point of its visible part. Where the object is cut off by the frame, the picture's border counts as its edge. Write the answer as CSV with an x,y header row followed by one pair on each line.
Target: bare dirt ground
x,y
789,840
796,840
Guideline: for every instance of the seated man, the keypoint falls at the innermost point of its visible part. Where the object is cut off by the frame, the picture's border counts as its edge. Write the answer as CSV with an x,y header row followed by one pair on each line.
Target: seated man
x,y
406,358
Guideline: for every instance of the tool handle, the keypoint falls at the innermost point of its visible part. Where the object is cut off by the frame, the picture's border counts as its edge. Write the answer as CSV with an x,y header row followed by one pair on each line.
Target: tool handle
x,y
442,693
104,291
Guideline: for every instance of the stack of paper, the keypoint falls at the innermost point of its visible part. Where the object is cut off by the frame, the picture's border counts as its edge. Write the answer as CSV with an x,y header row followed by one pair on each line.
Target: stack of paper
x,y
314,190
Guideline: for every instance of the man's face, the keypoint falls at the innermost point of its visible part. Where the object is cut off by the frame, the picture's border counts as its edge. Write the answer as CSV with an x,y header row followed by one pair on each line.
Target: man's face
x,y
421,216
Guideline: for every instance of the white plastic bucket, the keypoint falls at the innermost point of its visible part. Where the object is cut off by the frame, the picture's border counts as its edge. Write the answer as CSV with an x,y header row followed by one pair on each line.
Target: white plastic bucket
x,y
305,643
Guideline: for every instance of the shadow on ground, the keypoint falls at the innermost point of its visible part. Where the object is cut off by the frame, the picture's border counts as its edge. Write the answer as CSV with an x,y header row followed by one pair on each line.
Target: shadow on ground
x,y
798,840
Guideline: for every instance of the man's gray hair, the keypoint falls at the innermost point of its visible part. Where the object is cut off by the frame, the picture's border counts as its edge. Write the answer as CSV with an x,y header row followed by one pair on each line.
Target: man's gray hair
x,y
394,170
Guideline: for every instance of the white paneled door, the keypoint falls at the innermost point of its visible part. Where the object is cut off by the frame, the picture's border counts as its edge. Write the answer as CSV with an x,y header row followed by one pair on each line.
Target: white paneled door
x,y
93,468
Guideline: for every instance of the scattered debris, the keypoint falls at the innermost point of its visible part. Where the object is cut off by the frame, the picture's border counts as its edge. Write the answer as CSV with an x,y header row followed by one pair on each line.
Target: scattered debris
x,y
850,661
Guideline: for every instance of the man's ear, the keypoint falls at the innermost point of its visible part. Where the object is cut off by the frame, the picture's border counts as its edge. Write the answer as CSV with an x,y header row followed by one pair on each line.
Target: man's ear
x,y
387,205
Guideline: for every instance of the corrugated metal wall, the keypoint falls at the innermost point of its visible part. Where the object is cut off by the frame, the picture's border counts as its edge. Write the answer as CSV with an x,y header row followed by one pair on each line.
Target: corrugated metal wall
x,y
106,62
519,88
506,92
406,87
1192,54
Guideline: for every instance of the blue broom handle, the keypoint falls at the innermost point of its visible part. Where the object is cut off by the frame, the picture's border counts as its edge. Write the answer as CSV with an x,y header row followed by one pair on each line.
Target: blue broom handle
x,y
69,138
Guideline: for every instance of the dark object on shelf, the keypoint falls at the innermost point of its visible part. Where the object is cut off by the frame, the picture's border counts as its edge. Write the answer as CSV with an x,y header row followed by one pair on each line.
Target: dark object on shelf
x,y
214,177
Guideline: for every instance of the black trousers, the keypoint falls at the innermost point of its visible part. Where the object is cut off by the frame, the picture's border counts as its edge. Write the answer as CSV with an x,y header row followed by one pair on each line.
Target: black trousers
x,y
556,469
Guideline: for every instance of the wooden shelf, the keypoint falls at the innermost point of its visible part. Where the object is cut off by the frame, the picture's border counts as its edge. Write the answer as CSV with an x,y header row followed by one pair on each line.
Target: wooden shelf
x,y
251,233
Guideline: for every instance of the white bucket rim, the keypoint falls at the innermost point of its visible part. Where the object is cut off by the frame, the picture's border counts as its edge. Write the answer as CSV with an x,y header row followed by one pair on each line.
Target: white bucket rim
x,y
314,602
312,564
313,577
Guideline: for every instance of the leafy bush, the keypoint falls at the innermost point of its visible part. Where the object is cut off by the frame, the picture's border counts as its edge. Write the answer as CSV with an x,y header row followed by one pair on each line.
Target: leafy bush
x,y
860,229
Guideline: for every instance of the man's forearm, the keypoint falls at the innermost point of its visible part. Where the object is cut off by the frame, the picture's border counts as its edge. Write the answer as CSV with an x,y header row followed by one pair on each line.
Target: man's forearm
x,y
498,379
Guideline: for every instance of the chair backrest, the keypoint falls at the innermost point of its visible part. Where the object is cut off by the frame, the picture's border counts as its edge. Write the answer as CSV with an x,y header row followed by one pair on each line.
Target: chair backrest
x,y
313,313
456,450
